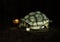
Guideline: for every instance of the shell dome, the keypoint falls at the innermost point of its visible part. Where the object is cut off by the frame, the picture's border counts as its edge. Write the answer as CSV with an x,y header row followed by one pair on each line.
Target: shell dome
x,y
36,20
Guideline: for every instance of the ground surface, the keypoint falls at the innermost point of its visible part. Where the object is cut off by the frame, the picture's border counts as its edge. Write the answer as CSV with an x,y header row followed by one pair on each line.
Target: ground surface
x,y
20,36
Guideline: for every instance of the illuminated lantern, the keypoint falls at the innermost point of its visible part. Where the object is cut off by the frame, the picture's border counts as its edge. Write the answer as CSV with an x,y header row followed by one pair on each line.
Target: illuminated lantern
x,y
16,21
37,21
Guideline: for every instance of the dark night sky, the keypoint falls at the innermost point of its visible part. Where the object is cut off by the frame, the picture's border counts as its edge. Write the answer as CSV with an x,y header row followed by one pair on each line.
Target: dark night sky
x,y
11,9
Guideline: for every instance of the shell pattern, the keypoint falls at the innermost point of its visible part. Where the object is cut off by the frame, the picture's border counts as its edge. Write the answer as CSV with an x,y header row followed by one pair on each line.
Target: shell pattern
x,y
36,19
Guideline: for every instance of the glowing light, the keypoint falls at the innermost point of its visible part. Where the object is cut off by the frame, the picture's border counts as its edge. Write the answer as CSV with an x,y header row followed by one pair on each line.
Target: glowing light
x,y
32,18
46,21
27,29
42,27
35,27
30,23
34,23
26,16
40,23
38,12
32,13
16,21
